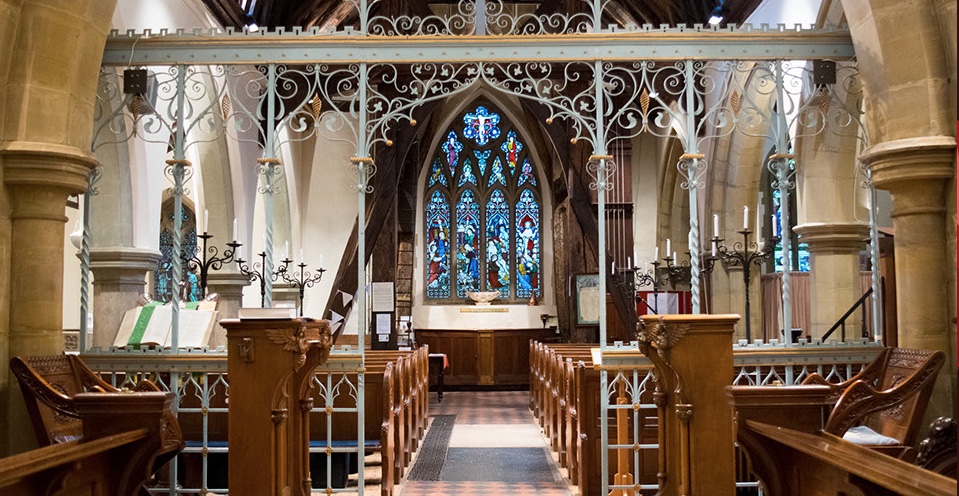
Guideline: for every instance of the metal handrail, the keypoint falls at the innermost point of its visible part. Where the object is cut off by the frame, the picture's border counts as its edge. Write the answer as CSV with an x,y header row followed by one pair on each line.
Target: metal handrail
x,y
841,323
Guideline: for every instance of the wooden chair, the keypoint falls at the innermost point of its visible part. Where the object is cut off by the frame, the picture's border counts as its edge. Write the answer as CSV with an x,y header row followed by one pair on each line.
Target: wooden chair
x,y
889,396
49,384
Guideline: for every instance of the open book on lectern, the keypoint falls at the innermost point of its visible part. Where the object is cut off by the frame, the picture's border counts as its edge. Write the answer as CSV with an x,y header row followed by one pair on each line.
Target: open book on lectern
x,y
151,326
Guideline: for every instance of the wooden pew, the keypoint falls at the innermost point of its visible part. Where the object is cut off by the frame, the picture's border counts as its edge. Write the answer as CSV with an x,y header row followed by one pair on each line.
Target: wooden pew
x,y
565,391
395,410
549,394
123,436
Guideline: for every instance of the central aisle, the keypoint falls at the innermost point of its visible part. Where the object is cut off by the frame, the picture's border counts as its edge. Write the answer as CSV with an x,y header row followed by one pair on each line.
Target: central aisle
x,y
483,443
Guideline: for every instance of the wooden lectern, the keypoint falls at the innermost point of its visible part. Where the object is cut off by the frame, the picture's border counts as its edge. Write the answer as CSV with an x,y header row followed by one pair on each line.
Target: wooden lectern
x,y
270,365
693,356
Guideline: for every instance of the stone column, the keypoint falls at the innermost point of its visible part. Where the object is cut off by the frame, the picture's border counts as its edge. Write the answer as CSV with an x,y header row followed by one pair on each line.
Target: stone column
x,y
119,278
834,281
229,285
915,171
39,177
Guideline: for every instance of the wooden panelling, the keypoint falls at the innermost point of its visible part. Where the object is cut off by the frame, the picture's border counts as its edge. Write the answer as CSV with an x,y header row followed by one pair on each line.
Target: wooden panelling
x,y
484,357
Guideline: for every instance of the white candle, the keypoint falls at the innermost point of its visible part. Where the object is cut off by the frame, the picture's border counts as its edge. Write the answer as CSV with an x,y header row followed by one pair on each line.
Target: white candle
x,y
612,268
321,260
206,220
635,256
745,218
234,230
286,249
674,257
629,262
759,223
239,253
715,225
714,247
657,254
668,247
301,255
775,226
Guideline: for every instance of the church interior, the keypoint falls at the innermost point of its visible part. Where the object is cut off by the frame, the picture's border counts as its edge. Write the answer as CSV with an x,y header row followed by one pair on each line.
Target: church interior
x,y
553,247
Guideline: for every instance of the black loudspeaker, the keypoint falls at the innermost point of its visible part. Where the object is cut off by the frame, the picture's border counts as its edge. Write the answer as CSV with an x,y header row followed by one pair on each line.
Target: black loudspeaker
x,y
823,72
135,81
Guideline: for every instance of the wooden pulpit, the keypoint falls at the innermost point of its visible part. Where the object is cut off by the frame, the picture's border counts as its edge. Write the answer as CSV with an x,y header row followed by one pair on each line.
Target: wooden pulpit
x,y
270,365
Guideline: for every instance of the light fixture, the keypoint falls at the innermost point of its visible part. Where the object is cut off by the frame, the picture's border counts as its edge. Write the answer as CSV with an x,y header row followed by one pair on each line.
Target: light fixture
x,y
717,15
252,27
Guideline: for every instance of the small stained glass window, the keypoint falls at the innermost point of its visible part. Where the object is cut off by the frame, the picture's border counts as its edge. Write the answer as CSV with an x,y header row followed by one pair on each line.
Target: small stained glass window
x,y
163,278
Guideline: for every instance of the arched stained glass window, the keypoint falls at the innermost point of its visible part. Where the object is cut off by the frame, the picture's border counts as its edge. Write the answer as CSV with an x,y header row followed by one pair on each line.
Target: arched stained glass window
x,y
483,174
163,278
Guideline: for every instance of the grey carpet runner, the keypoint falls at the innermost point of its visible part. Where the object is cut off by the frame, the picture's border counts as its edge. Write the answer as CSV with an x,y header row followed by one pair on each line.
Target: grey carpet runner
x,y
432,455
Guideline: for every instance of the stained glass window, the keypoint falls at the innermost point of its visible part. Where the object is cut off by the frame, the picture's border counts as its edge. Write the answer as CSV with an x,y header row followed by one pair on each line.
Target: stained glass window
x,y
467,242
511,147
437,246
496,175
481,126
481,157
497,243
452,147
497,227
527,174
527,245
467,176
163,277
800,261
437,176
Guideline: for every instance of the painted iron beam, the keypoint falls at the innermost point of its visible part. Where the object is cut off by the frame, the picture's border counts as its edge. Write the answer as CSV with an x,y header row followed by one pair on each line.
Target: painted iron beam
x,y
342,47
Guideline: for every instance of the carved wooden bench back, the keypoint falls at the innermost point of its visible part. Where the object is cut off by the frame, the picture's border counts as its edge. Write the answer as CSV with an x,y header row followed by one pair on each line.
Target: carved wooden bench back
x,y
903,420
890,396
49,384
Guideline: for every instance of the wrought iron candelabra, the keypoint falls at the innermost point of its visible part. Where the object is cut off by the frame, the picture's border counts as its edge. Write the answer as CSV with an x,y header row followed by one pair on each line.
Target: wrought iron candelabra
x,y
212,262
302,280
258,271
675,272
708,261
744,253
652,277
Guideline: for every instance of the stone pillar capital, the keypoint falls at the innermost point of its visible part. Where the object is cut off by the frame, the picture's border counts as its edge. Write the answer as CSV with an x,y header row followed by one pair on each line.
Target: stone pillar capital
x,y
116,263
824,237
47,165
911,159
227,284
